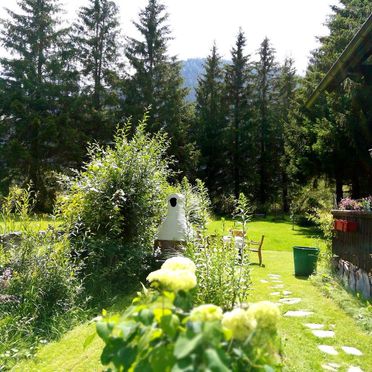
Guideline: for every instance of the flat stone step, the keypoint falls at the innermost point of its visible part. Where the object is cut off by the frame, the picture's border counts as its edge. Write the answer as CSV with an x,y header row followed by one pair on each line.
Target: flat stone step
x,y
351,350
290,301
298,313
328,349
323,334
314,325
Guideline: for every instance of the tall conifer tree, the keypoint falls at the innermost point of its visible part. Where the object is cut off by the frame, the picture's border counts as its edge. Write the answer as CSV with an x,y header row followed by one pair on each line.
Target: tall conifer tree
x,y
238,100
266,97
39,85
211,121
156,82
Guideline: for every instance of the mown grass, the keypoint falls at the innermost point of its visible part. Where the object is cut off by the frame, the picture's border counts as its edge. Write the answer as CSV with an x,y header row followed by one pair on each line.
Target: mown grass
x,y
69,353
280,234
300,352
35,223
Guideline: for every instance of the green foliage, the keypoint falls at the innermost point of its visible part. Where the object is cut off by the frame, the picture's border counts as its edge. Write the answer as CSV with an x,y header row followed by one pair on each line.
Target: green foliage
x,y
38,97
40,290
115,204
242,211
307,201
160,332
223,271
197,203
156,83
210,124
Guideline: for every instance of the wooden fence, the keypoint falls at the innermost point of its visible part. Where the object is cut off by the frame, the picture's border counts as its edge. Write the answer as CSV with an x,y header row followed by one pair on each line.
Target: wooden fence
x,y
354,246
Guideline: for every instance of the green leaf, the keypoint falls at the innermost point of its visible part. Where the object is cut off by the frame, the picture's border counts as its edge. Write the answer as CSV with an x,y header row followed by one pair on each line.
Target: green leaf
x,y
161,358
146,316
89,340
103,331
169,324
185,345
184,365
214,361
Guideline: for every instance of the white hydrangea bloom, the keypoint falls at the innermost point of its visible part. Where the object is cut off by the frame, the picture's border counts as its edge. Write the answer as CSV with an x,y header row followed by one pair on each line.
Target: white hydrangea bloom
x,y
179,263
205,313
239,323
173,280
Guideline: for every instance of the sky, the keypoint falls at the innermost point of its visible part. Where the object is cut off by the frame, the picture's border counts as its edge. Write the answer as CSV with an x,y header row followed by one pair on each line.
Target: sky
x,y
291,25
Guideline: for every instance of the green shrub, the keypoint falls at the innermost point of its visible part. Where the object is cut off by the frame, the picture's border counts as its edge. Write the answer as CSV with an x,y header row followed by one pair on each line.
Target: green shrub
x,y
316,195
40,292
162,331
197,203
114,205
223,274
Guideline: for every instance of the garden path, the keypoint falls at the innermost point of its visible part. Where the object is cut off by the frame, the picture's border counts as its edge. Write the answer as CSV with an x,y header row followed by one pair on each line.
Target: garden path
x,y
316,334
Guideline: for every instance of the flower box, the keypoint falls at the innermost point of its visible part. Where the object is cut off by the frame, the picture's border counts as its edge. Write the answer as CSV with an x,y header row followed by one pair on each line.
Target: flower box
x,y
350,226
345,226
339,225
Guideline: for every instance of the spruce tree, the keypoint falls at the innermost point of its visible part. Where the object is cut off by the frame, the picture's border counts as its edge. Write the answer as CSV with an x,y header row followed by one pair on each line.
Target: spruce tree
x,y
97,41
156,83
39,85
238,90
287,87
267,137
211,122
340,131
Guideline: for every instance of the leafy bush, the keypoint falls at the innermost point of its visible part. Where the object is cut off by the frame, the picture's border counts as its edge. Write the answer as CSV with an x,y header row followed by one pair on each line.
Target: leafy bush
x,y
223,266
40,292
197,203
162,331
114,205
223,274
314,196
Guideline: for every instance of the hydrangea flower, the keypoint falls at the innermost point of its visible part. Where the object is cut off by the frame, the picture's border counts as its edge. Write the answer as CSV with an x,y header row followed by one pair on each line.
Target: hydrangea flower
x,y
265,313
173,280
179,263
205,313
239,322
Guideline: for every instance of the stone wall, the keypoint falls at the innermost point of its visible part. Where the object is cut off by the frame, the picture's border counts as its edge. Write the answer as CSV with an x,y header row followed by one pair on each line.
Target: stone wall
x,y
354,278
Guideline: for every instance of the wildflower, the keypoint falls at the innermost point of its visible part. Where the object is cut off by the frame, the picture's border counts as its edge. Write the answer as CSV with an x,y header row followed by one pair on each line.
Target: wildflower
x,y
266,314
239,322
179,263
174,280
205,313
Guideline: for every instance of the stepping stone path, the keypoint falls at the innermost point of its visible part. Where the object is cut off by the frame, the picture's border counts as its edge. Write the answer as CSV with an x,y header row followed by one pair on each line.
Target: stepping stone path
x,y
328,349
323,334
290,301
331,367
298,313
314,325
275,276
351,350
316,328
354,369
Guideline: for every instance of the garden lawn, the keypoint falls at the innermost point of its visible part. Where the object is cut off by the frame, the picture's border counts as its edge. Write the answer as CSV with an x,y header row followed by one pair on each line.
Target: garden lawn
x,y
69,353
36,223
300,352
279,234
300,349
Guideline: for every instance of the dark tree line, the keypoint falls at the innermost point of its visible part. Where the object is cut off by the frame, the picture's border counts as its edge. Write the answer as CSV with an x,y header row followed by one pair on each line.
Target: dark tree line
x,y
248,131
